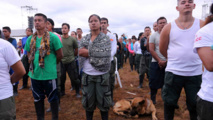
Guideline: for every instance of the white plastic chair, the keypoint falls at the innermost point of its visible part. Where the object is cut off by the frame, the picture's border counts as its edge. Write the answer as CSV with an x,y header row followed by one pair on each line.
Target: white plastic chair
x,y
117,74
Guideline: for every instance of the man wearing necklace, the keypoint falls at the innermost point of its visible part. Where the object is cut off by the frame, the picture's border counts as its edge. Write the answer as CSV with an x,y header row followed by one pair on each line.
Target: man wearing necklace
x,y
184,67
44,52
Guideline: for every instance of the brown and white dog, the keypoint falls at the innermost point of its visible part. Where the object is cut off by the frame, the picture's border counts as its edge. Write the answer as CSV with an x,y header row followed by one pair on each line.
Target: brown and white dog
x,y
143,106
136,107
122,107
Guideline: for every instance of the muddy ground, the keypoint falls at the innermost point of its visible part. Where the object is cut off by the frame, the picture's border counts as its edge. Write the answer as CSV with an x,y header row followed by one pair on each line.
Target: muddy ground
x,y
71,107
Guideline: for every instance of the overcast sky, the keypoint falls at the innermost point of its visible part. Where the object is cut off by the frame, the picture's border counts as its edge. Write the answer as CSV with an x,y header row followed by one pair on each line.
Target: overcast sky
x,y
125,16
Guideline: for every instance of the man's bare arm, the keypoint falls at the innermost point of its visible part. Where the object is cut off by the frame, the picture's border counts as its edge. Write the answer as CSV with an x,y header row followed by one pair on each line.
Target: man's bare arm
x,y
83,52
19,71
164,40
206,55
59,55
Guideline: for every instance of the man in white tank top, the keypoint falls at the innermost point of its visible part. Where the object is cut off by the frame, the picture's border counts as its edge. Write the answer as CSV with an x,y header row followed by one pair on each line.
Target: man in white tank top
x,y
184,67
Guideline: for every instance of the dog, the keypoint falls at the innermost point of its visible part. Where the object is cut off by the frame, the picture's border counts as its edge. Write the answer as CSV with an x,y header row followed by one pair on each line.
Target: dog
x,y
135,107
143,106
122,107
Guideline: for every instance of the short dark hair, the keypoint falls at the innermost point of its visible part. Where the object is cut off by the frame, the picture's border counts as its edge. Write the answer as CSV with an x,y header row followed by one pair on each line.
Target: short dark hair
x,y
147,27
66,25
139,36
42,15
30,29
161,18
74,32
95,16
78,29
51,21
7,28
133,37
103,18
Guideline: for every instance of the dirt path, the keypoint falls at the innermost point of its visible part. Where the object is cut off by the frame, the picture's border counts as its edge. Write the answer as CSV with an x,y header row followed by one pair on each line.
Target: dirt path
x,y
71,107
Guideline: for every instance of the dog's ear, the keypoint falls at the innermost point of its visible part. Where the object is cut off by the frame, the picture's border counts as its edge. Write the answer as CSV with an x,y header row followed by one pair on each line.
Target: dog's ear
x,y
142,102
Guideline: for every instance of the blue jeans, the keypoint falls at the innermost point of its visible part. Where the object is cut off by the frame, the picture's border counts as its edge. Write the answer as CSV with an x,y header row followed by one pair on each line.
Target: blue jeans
x,y
40,88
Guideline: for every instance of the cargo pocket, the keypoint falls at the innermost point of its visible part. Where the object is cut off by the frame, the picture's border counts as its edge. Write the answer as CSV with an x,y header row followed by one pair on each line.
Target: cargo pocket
x,y
84,99
105,79
84,79
168,81
107,101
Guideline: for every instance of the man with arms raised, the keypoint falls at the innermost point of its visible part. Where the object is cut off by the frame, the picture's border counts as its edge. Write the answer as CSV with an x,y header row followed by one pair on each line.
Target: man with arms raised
x,y
184,67
44,51
104,26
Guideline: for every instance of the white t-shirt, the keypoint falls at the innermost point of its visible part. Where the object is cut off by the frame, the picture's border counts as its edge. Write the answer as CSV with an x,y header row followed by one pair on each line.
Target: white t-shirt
x,y
89,69
137,47
113,44
155,38
8,57
204,38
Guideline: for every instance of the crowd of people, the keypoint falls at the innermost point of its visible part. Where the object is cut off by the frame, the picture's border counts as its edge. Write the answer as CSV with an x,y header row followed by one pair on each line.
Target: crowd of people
x,y
171,57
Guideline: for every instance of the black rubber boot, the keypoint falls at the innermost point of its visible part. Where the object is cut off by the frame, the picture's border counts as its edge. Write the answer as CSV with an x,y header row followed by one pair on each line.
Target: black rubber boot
x,y
140,81
112,98
77,90
104,115
89,115
15,90
39,106
169,112
153,95
54,109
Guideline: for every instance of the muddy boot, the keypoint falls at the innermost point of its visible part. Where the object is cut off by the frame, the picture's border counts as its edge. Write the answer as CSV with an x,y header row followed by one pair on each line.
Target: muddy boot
x,y
104,115
39,106
54,109
89,115
169,112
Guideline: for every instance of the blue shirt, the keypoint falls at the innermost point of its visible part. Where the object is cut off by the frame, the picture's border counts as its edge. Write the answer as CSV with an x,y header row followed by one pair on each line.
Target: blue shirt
x,y
23,41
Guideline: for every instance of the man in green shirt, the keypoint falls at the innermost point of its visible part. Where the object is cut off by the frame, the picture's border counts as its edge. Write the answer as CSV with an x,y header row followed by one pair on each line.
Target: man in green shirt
x,y
44,51
70,50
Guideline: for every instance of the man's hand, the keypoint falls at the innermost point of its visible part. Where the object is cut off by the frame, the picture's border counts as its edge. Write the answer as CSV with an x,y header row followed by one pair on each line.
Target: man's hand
x,y
84,52
162,64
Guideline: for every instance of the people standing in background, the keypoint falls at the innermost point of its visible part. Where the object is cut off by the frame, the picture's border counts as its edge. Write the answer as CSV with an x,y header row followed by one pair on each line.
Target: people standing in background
x,y
132,52
137,50
155,27
24,59
146,56
74,34
70,50
50,27
158,64
104,26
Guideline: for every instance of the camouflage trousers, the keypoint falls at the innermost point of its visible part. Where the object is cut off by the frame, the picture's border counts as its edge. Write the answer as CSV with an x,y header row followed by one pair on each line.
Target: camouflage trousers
x,y
96,92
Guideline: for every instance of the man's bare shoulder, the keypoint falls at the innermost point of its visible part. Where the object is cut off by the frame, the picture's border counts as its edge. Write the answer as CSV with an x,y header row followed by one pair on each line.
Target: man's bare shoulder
x,y
166,29
202,23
